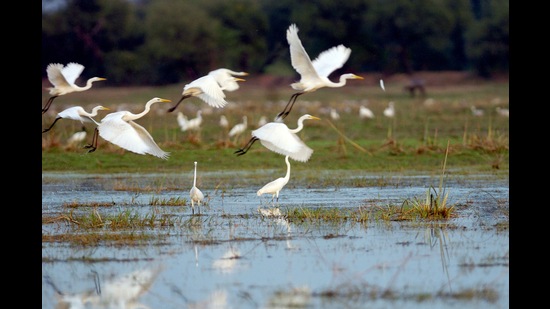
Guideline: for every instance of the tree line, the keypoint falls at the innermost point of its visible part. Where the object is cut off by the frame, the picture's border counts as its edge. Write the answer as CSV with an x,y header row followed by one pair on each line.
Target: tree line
x,y
158,42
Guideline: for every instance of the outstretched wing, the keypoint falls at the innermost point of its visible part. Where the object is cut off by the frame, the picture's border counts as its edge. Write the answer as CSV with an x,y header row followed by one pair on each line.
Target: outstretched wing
x,y
331,60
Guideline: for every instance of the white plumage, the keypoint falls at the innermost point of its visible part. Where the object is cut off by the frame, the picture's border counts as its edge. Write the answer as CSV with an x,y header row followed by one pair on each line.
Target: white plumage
x,y
365,112
195,194
120,129
314,74
390,110
277,137
275,186
63,79
239,128
77,113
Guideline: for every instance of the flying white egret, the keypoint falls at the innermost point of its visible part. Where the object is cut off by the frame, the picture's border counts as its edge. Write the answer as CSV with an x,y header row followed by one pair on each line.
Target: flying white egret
x,y
365,112
77,113
226,78
275,186
314,75
210,88
63,79
277,137
120,129
390,110
195,194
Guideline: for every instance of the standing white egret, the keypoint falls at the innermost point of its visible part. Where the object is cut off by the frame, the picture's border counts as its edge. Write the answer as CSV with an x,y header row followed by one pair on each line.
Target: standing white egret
x,y
120,129
182,121
390,110
195,123
223,122
77,137
210,88
476,111
277,137
365,112
195,194
275,186
334,114
262,121
63,79
314,74
239,128
77,113
504,112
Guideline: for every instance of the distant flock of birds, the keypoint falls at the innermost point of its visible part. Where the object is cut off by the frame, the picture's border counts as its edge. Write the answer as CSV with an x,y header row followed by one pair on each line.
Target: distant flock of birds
x,y
120,128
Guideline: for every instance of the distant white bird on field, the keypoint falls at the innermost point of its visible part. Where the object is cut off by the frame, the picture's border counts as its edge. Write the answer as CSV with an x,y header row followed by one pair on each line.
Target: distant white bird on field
x,y
382,85
314,74
76,113
182,121
195,194
195,123
504,112
63,79
277,137
120,129
275,186
77,137
390,110
476,111
239,128
365,112
223,122
210,88
262,121
334,114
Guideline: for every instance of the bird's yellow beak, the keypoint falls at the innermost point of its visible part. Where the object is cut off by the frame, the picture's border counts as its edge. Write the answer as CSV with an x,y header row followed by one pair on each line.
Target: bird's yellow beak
x,y
165,100
240,80
357,77
101,78
245,73
314,118
105,108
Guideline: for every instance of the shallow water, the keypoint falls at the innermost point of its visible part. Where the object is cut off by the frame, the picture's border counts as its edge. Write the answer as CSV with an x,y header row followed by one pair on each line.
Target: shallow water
x,y
230,256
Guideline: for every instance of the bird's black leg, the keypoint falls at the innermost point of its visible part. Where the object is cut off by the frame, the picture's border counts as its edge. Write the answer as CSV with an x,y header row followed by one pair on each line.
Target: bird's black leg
x,y
171,109
288,106
51,126
93,145
48,103
243,150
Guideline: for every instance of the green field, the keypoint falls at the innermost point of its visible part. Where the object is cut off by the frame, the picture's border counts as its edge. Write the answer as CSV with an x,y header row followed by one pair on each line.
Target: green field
x,y
415,140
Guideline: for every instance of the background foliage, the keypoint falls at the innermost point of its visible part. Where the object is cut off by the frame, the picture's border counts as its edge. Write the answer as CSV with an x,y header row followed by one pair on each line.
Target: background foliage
x,y
159,42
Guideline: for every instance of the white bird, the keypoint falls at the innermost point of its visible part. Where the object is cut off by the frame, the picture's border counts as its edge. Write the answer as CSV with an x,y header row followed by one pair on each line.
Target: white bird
x,y
182,121
504,112
390,110
365,112
275,186
476,111
195,123
277,137
223,122
195,194
210,88
314,74
262,121
77,137
382,85
77,113
334,114
63,79
226,78
239,128
120,129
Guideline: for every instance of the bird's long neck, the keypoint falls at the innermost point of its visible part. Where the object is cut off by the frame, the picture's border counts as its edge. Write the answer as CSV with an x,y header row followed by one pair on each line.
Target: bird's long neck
x,y
137,116
94,111
300,125
341,82
85,87
195,176
287,176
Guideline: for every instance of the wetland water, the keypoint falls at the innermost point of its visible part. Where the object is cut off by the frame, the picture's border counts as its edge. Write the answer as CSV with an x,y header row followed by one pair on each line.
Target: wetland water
x,y
230,256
